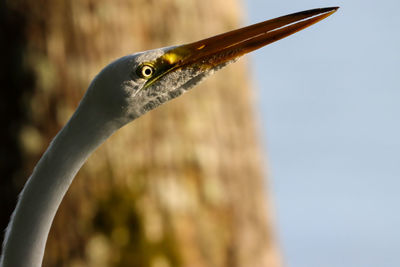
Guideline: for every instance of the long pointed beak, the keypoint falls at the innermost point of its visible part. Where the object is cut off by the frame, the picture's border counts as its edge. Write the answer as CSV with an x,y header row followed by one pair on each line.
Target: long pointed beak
x,y
227,46
212,52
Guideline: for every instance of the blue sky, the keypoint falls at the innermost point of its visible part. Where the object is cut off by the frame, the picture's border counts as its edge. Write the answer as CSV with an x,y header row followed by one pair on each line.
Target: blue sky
x,y
329,103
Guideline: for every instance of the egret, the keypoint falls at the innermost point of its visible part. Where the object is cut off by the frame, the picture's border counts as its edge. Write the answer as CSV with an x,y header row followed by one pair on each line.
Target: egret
x,y
123,91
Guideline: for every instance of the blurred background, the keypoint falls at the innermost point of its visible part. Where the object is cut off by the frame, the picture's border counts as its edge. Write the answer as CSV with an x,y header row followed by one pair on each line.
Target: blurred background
x,y
188,184
329,106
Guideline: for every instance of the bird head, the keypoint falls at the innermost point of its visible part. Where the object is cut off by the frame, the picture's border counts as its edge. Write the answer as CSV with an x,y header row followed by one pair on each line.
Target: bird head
x,y
135,84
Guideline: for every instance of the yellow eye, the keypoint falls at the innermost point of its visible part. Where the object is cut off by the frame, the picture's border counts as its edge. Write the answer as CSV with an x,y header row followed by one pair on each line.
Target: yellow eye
x,y
145,71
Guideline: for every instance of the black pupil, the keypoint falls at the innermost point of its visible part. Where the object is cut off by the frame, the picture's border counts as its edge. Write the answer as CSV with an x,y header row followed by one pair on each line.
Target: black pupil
x,y
147,71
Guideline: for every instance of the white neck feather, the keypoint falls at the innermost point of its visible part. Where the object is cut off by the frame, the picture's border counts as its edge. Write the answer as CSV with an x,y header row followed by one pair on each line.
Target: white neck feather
x,y
27,232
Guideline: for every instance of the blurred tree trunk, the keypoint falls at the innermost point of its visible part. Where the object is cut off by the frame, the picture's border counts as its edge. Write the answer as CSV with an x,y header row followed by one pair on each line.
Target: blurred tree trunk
x,y
181,186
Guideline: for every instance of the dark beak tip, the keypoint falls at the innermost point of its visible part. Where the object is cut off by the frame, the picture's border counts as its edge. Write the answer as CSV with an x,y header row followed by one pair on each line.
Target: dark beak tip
x,y
332,9
319,11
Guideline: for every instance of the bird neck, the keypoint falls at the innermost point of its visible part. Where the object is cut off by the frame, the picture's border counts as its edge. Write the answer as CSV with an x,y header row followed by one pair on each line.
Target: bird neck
x,y
27,232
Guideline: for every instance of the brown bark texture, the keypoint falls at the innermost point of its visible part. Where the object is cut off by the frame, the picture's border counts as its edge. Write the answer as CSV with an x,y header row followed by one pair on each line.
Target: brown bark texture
x,y
181,186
